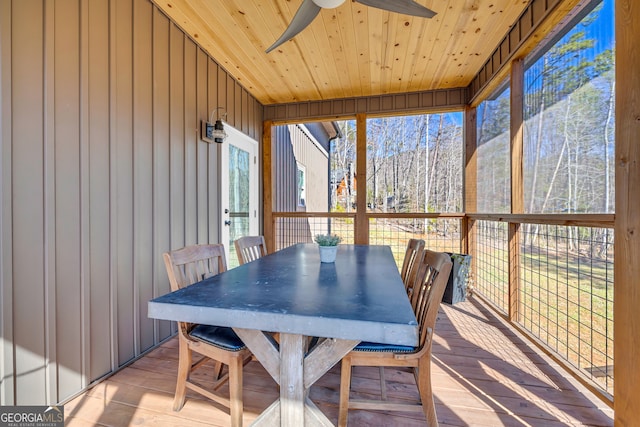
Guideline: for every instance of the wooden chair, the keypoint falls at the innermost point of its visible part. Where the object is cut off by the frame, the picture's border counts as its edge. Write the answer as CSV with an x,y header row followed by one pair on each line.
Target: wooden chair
x,y
428,286
250,248
412,254
186,266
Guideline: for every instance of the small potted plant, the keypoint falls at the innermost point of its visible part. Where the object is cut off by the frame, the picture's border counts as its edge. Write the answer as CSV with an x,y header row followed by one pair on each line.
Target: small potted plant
x,y
328,245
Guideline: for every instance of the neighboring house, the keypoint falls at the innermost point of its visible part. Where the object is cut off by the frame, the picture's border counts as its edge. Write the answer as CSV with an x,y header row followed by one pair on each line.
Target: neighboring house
x,y
345,189
301,177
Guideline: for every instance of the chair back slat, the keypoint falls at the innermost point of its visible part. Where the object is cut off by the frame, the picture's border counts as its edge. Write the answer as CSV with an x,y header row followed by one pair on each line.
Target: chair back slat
x,y
410,263
192,264
429,285
250,248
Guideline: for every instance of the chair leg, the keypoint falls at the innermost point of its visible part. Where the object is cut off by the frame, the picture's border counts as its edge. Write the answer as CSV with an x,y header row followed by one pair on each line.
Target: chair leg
x,y
426,393
235,391
184,366
217,370
345,387
383,384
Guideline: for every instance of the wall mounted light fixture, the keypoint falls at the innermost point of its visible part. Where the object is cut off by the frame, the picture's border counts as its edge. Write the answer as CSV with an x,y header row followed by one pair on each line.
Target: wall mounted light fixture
x,y
214,132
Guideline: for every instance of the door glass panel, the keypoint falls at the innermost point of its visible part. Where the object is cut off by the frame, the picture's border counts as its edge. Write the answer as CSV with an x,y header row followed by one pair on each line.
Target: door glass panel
x,y
239,197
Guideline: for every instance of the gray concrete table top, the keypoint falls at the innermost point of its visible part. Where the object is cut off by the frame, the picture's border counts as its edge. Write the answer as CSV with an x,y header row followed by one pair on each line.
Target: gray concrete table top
x,y
359,297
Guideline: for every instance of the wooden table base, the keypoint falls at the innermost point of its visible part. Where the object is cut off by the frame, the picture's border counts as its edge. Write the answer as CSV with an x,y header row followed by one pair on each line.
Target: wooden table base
x,y
295,370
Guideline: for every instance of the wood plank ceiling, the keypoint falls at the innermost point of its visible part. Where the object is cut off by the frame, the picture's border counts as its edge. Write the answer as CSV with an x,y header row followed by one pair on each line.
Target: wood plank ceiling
x,y
352,50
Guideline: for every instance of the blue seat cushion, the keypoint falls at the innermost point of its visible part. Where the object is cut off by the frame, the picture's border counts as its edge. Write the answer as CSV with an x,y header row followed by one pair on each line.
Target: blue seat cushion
x,y
219,336
384,348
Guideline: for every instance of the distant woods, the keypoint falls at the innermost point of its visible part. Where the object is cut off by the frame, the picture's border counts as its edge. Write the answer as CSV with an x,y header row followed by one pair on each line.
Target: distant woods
x,y
414,163
568,133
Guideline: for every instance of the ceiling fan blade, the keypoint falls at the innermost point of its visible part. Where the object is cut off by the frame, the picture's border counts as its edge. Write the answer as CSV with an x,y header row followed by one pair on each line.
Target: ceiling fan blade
x,y
306,13
407,7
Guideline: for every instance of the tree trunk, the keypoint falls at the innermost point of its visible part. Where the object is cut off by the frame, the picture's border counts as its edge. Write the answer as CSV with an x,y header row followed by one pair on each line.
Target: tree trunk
x,y
607,142
565,143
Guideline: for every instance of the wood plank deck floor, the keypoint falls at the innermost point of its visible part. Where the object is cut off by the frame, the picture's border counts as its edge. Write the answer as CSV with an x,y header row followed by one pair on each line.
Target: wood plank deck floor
x,y
484,374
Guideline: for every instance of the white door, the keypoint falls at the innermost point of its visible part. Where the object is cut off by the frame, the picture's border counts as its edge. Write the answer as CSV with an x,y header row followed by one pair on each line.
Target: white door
x,y
239,190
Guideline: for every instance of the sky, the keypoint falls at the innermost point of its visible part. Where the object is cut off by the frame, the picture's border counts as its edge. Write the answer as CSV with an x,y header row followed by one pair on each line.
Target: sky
x,y
603,28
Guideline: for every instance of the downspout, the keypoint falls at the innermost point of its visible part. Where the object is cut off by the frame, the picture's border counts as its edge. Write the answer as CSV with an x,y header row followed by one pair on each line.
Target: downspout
x,y
333,138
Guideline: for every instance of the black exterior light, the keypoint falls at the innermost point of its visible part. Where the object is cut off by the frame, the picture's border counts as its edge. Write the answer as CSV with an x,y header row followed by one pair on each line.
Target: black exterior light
x,y
211,132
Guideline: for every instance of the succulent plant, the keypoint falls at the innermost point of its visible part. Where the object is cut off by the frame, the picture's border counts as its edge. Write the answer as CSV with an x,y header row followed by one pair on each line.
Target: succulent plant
x,y
327,239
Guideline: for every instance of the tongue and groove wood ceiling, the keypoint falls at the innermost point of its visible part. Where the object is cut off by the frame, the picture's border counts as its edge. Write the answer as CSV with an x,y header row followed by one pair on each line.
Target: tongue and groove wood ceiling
x,y
349,51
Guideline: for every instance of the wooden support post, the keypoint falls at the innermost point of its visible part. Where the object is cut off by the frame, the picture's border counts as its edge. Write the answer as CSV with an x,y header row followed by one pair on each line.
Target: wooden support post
x,y
268,225
517,182
362,221
470,184
627,221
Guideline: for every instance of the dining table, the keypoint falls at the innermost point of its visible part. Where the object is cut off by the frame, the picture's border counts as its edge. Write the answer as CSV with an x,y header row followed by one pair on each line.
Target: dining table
x,y
359,297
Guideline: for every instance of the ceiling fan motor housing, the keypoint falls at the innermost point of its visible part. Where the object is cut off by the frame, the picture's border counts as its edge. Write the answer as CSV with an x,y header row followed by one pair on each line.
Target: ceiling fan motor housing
x,y
328,4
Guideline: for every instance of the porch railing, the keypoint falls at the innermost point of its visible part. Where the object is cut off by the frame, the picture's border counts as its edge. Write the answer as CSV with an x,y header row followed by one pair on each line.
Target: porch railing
x,y
550,276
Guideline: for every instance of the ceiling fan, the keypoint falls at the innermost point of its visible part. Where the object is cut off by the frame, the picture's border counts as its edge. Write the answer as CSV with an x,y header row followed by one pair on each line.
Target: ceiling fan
x,y
309,9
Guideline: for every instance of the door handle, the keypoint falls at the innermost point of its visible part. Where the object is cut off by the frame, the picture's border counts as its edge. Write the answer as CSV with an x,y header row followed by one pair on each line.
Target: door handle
x,y
227,222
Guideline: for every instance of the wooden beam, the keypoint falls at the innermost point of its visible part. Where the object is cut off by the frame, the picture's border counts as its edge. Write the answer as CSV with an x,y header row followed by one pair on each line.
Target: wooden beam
x,y
517,136
470,184
430,101
362,221
568,220
627,223
517,183
267,187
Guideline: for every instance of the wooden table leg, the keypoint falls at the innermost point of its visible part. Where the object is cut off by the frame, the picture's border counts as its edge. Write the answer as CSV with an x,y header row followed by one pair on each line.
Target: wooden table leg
x,y
292,380
295,372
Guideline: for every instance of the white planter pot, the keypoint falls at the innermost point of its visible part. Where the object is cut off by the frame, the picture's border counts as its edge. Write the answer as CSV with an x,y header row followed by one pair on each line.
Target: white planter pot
x,y
328,253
